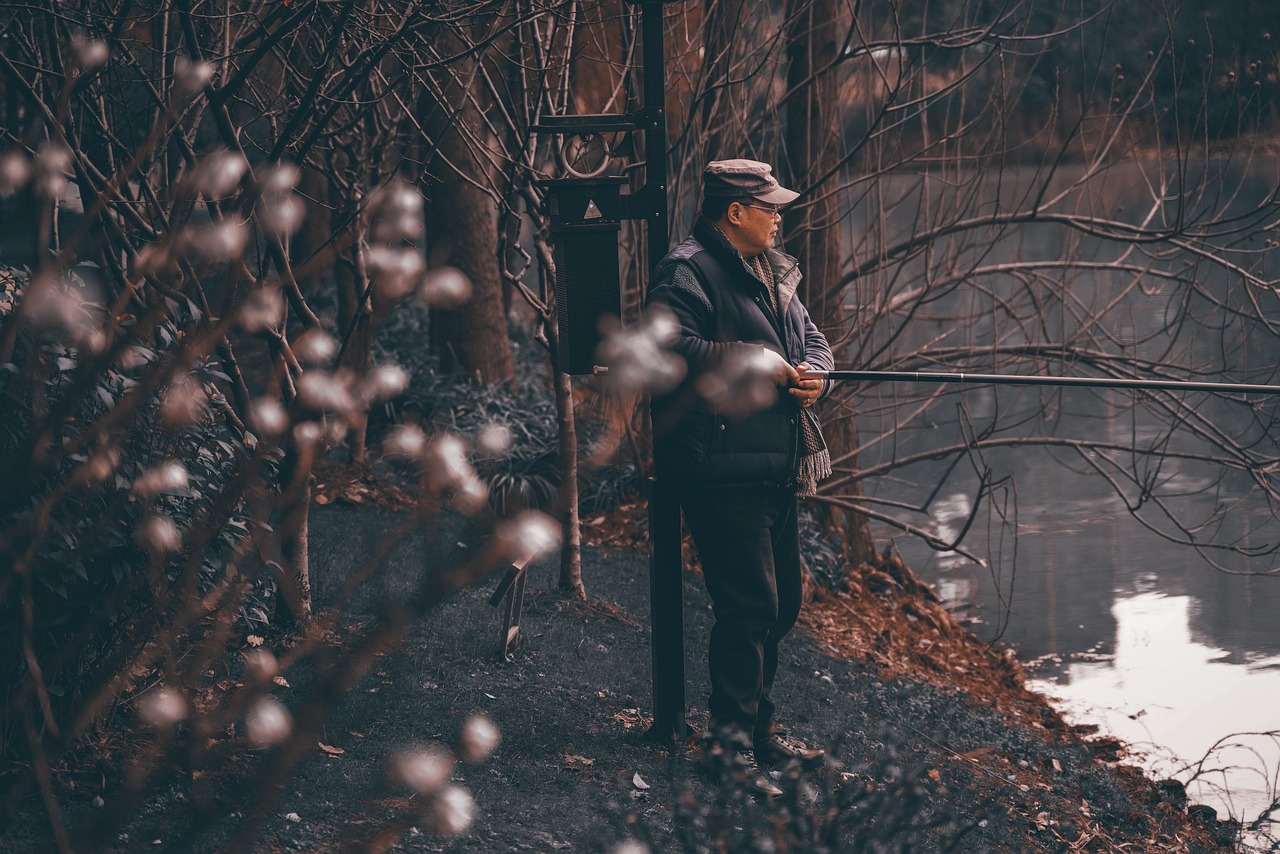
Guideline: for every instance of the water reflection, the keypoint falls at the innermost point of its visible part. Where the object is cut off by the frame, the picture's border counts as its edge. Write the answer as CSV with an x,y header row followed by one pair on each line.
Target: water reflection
x,y
1140,694
1071,574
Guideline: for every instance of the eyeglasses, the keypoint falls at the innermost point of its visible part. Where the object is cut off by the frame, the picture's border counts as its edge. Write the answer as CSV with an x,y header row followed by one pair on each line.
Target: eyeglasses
x,y
776,210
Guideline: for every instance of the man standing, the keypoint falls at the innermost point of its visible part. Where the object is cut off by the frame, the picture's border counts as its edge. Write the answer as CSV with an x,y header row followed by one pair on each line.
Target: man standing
x,y
738,466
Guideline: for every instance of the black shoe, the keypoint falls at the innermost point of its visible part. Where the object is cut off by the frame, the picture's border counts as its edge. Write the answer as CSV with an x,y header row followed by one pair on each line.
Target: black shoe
x,y
776,750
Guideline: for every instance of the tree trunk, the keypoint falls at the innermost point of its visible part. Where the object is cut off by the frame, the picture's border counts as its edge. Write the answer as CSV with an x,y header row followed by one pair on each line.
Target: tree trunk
x,y
812,228
462,231
571,552
293,600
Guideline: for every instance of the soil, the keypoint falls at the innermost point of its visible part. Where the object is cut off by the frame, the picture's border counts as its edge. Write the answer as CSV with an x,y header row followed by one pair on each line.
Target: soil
x,y
934,742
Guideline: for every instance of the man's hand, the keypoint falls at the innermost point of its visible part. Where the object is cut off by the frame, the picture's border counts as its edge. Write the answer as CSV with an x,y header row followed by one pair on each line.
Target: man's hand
x,y
774,366
806,391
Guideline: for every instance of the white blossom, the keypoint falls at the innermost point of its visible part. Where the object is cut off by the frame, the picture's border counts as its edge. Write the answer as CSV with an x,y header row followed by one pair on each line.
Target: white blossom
x,y
321,391
446,463
743,383
452,811
424,770
169,476
526,536
15,172
162,707
158,535
444,287
190,76
493,438
639,358
262,309
268,722
219,173
269,417
480,738
470,496
222,241
282,216
315,347
53,165
279,178
308,433
405,440
397,271
385,382
89,53
396,214
630,846
261,664
280,210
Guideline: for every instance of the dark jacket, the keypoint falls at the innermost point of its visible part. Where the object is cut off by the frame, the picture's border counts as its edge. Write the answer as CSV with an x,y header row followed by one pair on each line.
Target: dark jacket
x,y
722,308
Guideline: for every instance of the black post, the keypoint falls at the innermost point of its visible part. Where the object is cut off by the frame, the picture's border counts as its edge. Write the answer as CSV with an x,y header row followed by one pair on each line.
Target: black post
x,y
666,599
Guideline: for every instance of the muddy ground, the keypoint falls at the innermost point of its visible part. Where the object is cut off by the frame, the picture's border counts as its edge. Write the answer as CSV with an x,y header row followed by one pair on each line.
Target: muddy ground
x,y
935,743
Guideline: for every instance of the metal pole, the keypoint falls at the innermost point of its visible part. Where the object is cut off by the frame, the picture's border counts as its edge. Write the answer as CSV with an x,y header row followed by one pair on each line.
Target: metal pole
x,y
1017,379
666,597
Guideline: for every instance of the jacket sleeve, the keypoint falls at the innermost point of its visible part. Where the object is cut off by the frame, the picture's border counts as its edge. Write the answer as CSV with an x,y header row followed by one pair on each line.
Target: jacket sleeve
x,y
678,288
817,352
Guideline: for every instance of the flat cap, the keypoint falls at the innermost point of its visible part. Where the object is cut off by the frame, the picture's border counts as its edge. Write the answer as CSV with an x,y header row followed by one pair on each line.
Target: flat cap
x,y
736,179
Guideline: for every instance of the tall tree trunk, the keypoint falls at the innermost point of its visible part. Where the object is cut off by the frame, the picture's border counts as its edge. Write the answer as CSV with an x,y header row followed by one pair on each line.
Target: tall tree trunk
x,y
571,551
293,600
812,228
462,230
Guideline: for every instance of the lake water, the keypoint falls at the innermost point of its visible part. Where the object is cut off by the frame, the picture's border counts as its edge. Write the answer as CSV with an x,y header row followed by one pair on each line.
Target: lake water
x,y
1122,627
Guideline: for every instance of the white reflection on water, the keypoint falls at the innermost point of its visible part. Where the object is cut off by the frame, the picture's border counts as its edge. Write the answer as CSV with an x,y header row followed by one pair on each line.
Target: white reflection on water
x,y
1141,695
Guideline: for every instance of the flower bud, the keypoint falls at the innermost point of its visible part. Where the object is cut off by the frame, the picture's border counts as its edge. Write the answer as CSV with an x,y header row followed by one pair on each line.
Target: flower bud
x,y
158,535
268,722
405,440
15,172
445,287
424,770
452,812
480,737
162,707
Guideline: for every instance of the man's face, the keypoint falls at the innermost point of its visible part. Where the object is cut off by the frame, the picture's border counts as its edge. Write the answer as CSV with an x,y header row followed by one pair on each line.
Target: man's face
x,y
756,224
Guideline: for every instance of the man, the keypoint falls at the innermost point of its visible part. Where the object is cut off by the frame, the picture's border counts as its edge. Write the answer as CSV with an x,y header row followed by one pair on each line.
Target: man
x,y
738,472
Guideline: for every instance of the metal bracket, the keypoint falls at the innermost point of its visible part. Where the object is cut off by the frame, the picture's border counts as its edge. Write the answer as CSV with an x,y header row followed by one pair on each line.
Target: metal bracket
x,y
510,595
587,123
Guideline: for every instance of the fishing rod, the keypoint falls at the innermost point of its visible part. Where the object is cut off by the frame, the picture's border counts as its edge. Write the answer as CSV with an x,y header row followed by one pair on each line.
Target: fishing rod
x,y
1018,379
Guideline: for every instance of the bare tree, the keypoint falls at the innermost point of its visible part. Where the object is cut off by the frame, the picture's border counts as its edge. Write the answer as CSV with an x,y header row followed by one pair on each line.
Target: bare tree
x,y
926,141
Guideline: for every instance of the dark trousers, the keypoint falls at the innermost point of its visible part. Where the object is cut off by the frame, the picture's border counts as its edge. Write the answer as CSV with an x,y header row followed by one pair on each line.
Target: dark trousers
x,y
748,541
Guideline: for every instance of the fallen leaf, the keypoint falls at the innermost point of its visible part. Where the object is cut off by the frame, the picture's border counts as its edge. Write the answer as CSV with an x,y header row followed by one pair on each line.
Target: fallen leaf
x,y
330,749
578,760
639,782
281,681
254,640
934,775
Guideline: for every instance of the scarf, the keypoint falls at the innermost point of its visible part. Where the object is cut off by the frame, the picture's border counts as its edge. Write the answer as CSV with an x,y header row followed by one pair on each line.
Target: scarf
x,y
815,459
